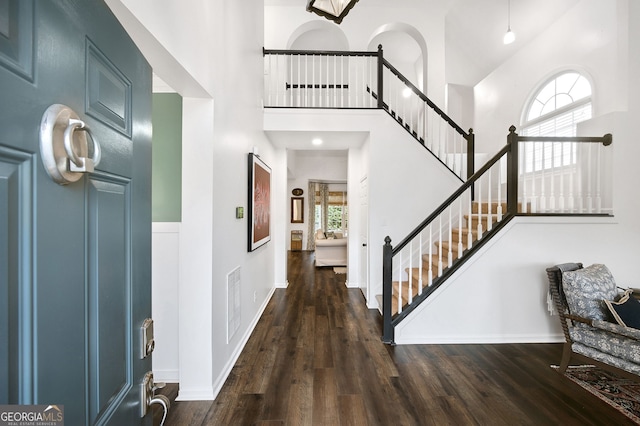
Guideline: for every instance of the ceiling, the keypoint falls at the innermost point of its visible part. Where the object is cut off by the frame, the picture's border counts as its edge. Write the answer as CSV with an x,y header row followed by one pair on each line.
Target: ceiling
x,y
302,140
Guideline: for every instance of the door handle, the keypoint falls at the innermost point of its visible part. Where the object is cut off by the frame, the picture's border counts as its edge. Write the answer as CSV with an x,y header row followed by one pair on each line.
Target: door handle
x,y
148,396
76,163
67,146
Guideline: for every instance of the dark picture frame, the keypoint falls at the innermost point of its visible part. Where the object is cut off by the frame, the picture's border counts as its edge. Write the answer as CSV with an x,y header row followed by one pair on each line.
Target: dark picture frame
x,y
259,210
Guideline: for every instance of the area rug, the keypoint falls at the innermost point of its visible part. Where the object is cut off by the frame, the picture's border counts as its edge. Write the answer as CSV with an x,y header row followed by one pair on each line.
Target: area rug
x,y
621,393
340,269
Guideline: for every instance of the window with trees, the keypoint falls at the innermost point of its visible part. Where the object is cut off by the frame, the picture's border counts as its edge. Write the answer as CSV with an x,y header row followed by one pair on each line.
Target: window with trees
x,y
337,212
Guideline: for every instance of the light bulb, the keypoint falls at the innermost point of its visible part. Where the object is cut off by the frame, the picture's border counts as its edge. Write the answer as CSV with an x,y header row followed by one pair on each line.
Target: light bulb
x,y
509,37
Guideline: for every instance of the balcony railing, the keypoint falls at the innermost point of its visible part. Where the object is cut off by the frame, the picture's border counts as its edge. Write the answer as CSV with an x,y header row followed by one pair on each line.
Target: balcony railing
x,y
365,80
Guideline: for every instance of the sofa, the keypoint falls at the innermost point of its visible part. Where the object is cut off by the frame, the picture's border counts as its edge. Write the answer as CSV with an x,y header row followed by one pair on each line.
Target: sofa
x,y
600,321
331,249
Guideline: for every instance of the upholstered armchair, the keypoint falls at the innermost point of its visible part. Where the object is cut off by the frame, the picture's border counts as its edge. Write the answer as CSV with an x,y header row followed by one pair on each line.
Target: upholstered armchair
x,y
597,319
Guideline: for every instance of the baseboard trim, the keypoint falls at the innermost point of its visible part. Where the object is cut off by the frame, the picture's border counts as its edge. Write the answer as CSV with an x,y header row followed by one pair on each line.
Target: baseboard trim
x,y
203,394
477,340
219,382
283,285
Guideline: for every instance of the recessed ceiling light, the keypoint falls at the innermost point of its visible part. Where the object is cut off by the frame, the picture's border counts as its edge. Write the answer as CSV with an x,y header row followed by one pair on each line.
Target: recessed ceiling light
x,y
406,92
317,141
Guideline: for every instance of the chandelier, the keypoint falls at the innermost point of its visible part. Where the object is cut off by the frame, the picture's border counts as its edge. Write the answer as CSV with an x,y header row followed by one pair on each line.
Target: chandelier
x,y
334,10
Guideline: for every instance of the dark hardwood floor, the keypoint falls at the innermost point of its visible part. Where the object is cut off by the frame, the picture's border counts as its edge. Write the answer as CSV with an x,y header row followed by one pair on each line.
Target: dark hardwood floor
x,y
315,358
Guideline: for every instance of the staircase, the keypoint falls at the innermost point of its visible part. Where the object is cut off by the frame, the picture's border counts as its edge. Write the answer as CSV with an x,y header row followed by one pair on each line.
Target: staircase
x,y
539,178
483,216
484,204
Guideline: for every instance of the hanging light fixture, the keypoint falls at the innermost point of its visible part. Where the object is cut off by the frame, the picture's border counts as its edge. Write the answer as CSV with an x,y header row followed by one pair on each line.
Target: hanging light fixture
x,y
334,10
509,36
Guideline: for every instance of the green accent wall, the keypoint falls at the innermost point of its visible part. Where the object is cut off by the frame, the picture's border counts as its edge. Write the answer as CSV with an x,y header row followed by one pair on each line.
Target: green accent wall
x,y
166,192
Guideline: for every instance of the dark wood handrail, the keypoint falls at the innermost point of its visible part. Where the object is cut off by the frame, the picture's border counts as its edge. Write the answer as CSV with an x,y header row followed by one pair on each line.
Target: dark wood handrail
x,y
317,52
605,140
451,199
422,96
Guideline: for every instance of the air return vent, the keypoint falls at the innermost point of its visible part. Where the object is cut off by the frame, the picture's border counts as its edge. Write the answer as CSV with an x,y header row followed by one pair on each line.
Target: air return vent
x,y
233,303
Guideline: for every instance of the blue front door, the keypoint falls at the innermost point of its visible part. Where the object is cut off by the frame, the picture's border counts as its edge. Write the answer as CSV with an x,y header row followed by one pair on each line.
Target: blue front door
x,y
75,259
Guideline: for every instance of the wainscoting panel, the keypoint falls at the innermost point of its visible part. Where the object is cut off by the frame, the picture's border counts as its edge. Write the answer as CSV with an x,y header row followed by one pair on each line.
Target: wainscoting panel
x,y
164,282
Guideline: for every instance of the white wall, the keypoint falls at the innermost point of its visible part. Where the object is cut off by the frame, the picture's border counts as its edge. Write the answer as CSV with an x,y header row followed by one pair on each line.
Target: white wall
x,y
405,181
217,68
589,43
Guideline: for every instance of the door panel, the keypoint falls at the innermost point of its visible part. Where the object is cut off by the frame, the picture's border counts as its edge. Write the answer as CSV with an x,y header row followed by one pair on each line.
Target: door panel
x,y
16,37
75,260
109,292
16,193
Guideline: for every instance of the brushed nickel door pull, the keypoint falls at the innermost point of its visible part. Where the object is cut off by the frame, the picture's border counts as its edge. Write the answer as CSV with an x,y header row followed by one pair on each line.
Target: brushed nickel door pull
x,y
64,145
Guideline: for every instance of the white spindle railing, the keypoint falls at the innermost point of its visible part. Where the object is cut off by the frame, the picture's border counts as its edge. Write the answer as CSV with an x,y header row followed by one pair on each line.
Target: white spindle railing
x,y
300,79
308,79
447,237
564,177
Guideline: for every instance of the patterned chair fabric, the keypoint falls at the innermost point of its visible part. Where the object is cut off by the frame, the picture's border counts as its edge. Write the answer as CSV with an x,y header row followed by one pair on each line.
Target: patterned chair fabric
x,y
587,288
578,294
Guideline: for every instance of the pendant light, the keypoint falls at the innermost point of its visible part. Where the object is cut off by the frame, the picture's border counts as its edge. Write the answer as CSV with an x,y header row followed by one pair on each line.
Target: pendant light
x,y
509,36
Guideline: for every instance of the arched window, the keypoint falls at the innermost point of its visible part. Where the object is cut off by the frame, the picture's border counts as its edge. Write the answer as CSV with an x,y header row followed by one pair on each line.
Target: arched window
x,y
555,110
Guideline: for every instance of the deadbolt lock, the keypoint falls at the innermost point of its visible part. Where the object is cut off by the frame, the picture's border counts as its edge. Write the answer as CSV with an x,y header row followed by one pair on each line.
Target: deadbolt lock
x,y
148,342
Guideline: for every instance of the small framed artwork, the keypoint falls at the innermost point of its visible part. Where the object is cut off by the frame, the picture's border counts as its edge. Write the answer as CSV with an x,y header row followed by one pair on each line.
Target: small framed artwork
x,y
259,210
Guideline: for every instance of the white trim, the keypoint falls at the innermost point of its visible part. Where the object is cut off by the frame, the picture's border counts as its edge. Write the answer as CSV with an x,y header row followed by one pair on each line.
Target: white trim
x,y
165,227
219,382
202,394
168,376
282,285
480,339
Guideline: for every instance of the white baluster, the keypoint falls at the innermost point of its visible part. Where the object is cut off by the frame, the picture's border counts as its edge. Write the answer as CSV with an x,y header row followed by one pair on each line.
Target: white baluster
x,y
290,78
328,83
561,203
552,179
499,208
341,79
449,251
589,180
469,227
534,199
430,270
460,213
440,246
400,282
410,275
313,81
420,265
479,226
598,206
543,183
489,206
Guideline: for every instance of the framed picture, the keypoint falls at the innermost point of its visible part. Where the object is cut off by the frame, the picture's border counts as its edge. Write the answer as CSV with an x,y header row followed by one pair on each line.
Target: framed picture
x,y
259,203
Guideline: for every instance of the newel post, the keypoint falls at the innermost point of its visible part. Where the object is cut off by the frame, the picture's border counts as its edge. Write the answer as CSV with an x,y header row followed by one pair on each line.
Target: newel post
x,y
380,71
387,259
512,171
